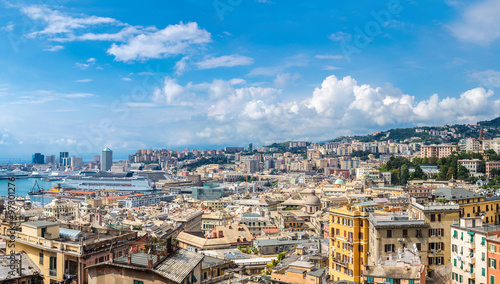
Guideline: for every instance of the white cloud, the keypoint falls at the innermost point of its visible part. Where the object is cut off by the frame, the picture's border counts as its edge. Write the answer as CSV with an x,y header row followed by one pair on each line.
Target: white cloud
x,y
487,78
329,67
173,40
91,60
84,80
61,25
329,56
340,36
224,61
8,28
53,48
282,80
181,66
478,23
126,79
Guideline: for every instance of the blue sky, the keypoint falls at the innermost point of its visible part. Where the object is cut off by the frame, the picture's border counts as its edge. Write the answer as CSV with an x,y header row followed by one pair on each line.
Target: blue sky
x,y
80,76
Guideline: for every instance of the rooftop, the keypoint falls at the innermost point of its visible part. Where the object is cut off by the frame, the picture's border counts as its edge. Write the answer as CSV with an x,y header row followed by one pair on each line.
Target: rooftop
x,y
40,224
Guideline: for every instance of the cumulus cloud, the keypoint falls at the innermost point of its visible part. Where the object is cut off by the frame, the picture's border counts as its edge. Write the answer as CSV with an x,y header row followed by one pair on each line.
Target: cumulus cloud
x,y
173,40
53,48
478,23
224,61
226,112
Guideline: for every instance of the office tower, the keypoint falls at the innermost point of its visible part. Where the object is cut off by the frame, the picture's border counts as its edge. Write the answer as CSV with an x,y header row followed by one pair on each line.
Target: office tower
x,y
50,159
76,163
106,159
63,155
250,147
37,158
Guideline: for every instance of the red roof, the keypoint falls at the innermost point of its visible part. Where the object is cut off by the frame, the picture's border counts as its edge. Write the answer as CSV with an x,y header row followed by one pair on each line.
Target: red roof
x,y
271,231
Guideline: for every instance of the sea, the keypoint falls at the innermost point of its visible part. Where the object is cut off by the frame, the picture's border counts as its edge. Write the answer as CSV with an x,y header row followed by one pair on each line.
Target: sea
x,y
23,186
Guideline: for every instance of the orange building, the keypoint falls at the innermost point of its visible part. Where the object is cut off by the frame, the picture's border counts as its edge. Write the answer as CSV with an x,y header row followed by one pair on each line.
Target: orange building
x,y
493,267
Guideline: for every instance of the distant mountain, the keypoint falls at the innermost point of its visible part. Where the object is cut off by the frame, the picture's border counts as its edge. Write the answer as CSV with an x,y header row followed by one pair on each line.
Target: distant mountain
x,y
430,134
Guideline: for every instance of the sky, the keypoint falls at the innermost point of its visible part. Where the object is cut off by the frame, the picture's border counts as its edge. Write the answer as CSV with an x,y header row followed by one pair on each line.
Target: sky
x,y
79,76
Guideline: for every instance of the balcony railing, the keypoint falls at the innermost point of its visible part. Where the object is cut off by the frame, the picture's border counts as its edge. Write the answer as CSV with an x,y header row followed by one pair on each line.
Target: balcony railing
x,y
339,261
53,272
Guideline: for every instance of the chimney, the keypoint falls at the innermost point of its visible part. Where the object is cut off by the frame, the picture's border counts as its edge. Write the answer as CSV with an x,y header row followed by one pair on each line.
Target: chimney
x,y
129,259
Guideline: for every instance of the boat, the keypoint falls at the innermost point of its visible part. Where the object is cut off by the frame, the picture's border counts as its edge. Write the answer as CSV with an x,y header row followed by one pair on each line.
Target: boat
x,y
108,183
36,189
17,173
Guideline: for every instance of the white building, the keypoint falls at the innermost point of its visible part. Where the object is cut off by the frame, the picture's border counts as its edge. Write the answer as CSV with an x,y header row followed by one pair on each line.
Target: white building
x,y
469,251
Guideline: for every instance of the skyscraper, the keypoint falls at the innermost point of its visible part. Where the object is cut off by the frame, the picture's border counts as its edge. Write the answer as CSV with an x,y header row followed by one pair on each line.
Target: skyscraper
x,y
50,159
37,158
106,159
62,156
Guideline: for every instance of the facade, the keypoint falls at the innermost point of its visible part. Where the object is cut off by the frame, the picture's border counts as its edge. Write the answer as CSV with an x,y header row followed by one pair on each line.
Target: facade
x,y
50,159
37,158
214,219
493,259
405,269
349,237
208,192
391,233
76,163
106,159
470,145
440,217
438,151
490,166
26,271
471,165
63,156
255,222
58,256
60,207
469,250
299,272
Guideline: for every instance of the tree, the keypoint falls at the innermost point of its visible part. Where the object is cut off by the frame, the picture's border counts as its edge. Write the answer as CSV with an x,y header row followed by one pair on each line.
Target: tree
x,y
404,174
443,170
451,173
462,173
419,173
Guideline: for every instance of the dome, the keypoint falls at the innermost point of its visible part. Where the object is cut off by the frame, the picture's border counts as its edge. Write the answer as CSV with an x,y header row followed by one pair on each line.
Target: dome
x,y
313,200
339,181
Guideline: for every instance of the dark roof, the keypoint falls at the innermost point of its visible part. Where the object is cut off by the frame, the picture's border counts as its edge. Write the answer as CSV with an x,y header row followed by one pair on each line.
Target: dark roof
x,y
448,193
28,267
209,261
178,266
317,272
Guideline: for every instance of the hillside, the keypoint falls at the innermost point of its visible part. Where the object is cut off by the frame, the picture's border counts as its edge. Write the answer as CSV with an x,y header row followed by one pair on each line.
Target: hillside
x,y
432,135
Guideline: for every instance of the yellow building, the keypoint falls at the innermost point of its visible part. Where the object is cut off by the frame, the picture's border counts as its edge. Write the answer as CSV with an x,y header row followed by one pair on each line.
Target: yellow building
x,y
349,241
215,204
471,204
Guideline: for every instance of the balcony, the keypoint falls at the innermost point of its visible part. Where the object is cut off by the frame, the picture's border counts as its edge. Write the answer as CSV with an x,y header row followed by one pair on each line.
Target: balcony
x,y
339,261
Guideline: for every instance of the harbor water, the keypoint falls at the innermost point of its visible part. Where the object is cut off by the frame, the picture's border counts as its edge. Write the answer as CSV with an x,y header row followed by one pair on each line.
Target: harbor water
x,y
23,186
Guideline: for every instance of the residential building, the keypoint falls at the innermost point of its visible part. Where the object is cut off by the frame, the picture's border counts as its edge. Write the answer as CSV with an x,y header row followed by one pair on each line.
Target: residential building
x,y
255,222
214,219
221,237
349,238
471,165
439,216
493,258
438,151
470,145
469,250
50,159
299,272
490,166
405,269
62,253
180,267
146,200
60,207
392,232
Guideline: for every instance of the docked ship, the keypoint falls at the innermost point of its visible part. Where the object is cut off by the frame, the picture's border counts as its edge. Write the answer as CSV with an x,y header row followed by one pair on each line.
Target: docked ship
x,y
83,182
17,173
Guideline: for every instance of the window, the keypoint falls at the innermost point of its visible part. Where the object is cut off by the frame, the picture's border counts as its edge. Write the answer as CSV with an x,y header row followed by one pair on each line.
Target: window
x,y
405,233
389,248
369,279
40,261
360,248
138,282
389,280
439,217
483,271
419,246
419,233
433,217
389,233
492,279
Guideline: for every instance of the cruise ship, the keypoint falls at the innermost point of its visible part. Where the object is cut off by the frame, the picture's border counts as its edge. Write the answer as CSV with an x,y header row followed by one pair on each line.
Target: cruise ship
x,y
17,173
107,183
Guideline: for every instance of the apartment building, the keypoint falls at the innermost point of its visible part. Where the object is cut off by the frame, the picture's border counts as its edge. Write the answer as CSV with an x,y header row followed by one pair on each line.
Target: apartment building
x,y
438,151
349,236
490,166
391,233
470,164
63,253
493,259
440,217
469,250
